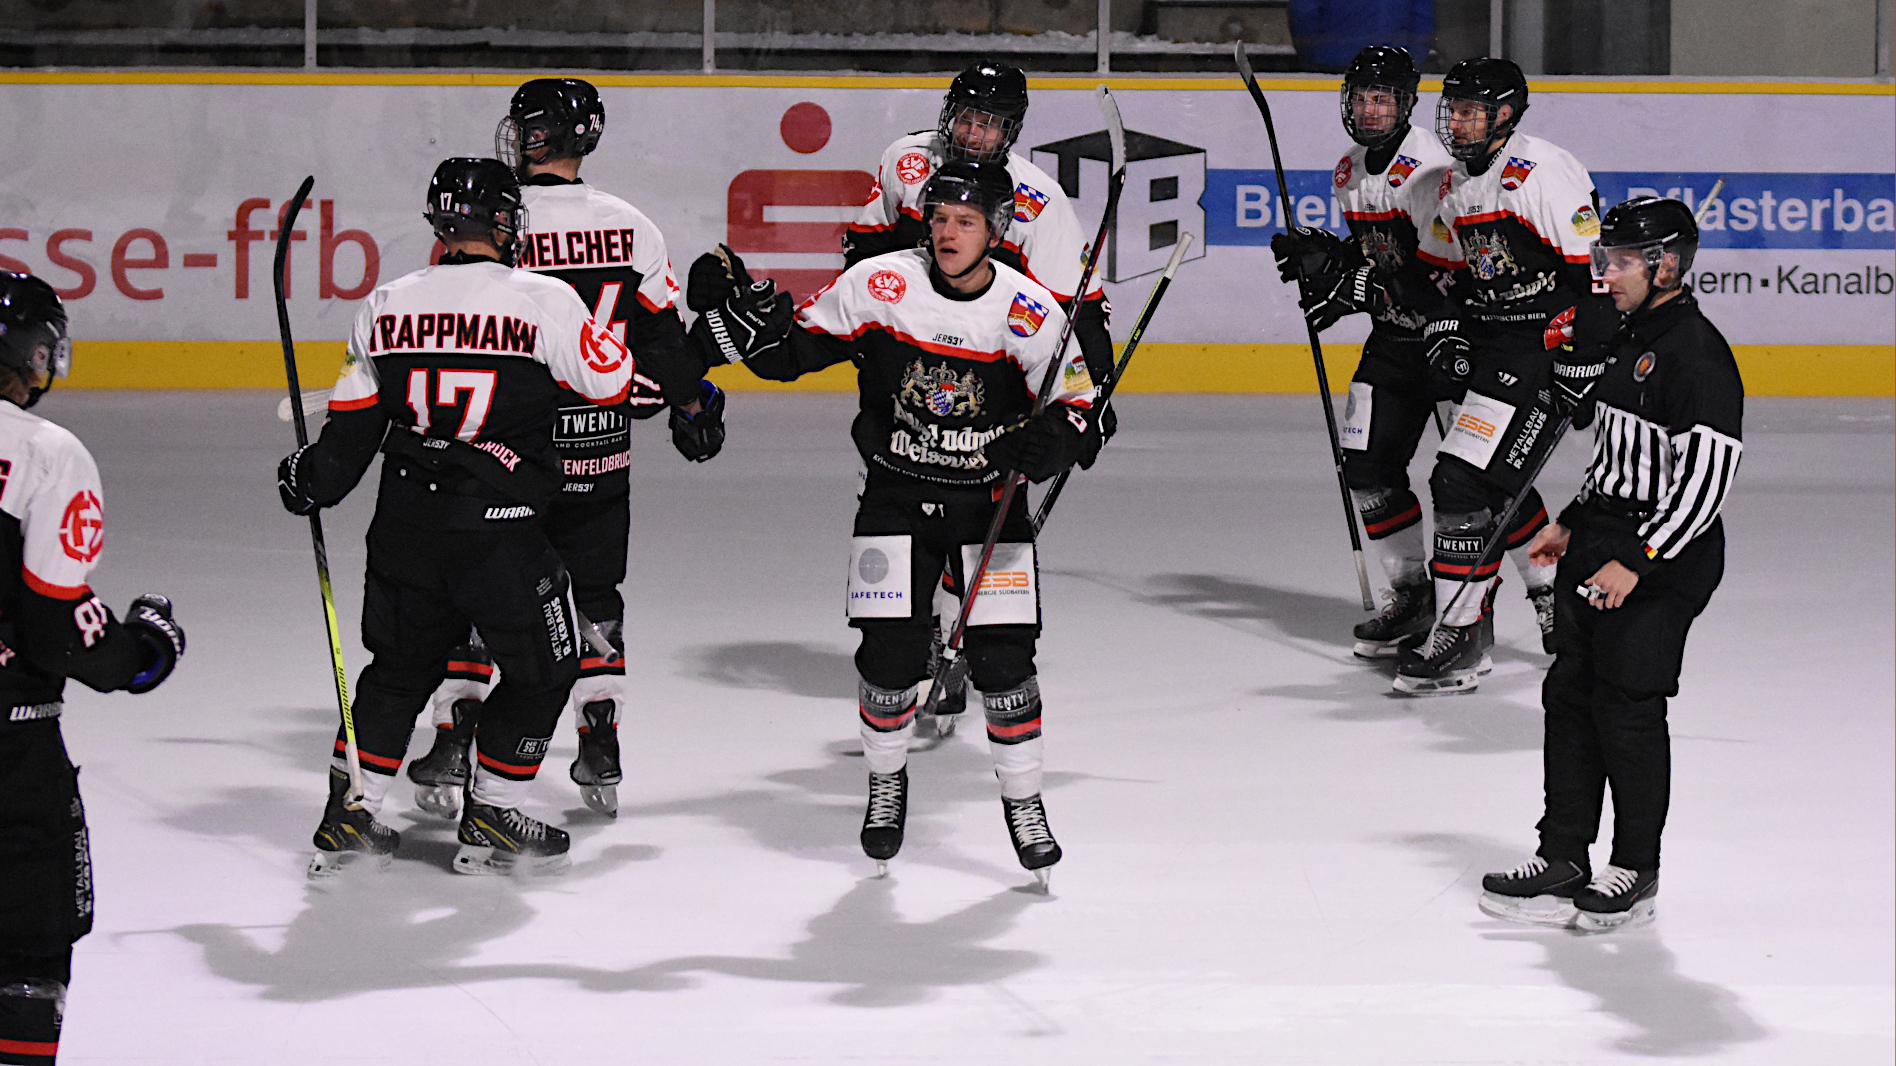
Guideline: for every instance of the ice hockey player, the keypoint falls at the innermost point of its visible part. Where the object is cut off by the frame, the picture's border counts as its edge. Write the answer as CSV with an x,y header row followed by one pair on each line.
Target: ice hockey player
x,y
615,258
1517,215
950,348
52,627
1639,552
981,117
456,373
1388,185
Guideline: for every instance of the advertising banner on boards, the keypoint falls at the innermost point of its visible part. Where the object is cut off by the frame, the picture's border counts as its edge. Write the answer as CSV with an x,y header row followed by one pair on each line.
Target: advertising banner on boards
x,y
152,201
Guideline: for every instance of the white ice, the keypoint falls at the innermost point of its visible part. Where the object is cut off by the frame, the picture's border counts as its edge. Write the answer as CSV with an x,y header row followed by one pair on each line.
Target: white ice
x,y
1269,857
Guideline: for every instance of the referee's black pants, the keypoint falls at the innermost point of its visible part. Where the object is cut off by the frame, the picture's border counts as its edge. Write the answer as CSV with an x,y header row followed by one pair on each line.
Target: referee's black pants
x,y
1605,696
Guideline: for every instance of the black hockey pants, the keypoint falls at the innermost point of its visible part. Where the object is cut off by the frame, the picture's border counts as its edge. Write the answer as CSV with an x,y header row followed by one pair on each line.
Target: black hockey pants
x,y
1605,695
45,884
590,532
424,588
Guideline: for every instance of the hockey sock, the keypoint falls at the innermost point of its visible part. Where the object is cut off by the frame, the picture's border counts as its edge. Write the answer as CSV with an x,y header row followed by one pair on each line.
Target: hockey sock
x,y
1536,577
1393,520
1459,539
497,791
1531,519
1013,725
374,783
31,1012
470,676
888,721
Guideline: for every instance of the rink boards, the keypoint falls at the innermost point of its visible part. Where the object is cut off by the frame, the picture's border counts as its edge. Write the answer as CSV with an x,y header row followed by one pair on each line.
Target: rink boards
x,y
152,199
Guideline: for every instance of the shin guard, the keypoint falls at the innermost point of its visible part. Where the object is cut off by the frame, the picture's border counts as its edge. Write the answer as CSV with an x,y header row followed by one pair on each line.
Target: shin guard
x,y
1393,520
470,676
1528,521
888,721
1459,539
31,1014
1013,725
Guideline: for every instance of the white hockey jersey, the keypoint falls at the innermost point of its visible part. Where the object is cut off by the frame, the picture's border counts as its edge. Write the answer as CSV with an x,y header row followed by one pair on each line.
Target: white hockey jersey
x,y
1390,215
51,502
1044,234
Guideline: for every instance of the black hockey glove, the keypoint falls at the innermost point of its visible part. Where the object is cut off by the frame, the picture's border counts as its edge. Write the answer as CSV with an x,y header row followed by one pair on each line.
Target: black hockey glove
x,y
1103,428
1352,291
1311,253
149,619
1448,350
296,498
1592,333
1041,447
752,322
714,276
700,437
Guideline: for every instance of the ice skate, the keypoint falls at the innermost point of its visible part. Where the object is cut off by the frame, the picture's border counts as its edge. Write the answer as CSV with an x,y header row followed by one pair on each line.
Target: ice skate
x,y
1033,840
503,840
1453,662
441,775
932,729
1537,892
1616,899
1408,613
883,822
349,835
1543,601
596,770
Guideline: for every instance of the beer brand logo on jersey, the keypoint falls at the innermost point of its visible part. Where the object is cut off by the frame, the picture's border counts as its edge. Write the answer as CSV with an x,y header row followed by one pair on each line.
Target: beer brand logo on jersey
x,y
1025,316
1586,222
913,168
1487,255
1515,173
940,390
887,286
1028,202
82,528
1400,170
1380,245
1341,175
600,347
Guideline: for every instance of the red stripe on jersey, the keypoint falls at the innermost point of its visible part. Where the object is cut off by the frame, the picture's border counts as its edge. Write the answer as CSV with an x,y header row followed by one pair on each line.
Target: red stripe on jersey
x,y
1522,532
927,346
1436,260
1013,730
28,1047
1414,511
353,405
652,307
1496,216
857,227
615,398
391,765
911,212
52,591
1375,216
464,667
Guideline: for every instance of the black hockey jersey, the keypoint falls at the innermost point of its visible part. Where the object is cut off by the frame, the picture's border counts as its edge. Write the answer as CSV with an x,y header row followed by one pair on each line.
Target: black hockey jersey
x,y
457,372
941,373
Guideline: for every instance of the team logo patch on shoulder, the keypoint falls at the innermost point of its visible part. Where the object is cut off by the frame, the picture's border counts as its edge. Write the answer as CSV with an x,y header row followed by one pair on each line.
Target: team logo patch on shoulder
x,y
1448,183
1585,222
1514,175
1643,369
1400,170
1028,202
600,347
1341,175
913,168
1074,377
887,286
82,527
1025,316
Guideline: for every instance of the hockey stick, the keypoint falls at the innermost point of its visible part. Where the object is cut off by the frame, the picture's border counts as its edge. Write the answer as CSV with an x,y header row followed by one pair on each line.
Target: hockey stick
x,y
1316,346
951,674
350,752
1560,431
1119,368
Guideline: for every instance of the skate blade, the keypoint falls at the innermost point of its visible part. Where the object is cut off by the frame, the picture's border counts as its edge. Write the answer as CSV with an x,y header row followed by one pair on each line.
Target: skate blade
x,y
945,725
604,799
327,864
479,861
1641,913
1376,649
1466,681
882,868
1553,911
442,801
1044,876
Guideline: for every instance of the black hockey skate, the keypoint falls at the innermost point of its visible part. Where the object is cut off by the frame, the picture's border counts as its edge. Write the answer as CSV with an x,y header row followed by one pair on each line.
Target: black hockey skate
x,y
503,840
1543,601
1537,892
883,822
1410,610
349,833
1453,662
1033,840
596,770
1616,899
441,775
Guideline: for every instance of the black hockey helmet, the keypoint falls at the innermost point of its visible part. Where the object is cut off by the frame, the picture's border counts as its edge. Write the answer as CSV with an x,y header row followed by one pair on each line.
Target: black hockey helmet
x,y
562,116
1490,82
986,187
994,97
470,199
1654,226
1384,67
33,338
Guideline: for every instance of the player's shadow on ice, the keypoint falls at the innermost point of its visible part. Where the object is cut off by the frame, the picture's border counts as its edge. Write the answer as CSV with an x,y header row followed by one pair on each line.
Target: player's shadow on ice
x,y
1630,974
1296,614
797,669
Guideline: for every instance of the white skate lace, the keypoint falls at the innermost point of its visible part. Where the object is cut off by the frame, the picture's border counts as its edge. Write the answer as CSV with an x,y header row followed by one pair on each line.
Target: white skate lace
x,y
1028,819
1533,867
1613,881
885,800
1443,640
524,828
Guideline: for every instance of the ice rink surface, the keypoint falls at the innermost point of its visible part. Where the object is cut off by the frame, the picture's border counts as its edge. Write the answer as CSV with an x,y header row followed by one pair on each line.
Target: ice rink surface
x,y
1269,857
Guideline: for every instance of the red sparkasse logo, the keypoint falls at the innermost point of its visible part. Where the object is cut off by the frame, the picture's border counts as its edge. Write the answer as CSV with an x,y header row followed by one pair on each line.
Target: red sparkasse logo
x,y
912,168
82,529
600,348
1341,175
888,286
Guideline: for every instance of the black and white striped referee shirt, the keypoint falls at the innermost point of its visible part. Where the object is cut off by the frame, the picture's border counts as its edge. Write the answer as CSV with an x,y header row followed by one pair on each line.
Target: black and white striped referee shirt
x,y
1667,436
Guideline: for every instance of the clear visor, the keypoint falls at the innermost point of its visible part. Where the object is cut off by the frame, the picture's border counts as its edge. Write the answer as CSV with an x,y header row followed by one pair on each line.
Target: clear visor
x,y
59,360
1622,258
